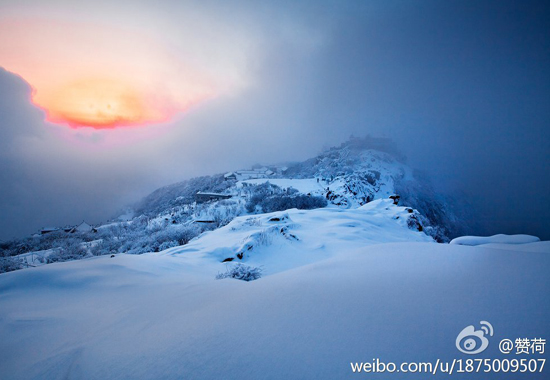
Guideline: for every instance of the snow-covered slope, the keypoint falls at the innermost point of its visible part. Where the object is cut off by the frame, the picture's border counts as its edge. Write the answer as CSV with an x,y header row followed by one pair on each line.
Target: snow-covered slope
x,y
164,316
282,240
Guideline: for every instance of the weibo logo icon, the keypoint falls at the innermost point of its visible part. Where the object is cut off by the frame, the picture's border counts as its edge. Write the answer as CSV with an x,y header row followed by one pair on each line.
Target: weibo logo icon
x,y
471,341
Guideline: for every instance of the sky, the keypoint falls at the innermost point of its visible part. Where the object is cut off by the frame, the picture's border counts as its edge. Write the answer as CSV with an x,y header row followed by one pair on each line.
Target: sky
x,y
103,102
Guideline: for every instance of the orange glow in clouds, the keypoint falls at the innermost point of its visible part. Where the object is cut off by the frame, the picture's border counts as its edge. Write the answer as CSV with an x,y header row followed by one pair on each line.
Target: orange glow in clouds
x,y
85,75
100,104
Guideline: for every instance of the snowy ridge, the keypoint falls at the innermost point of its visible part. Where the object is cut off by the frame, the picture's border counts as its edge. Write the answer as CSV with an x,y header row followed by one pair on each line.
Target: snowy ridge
x,y
345,177
282,240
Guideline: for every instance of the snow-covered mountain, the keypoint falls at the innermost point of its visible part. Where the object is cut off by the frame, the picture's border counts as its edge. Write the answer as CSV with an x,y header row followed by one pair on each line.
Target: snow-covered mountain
x,y
348,176
344,178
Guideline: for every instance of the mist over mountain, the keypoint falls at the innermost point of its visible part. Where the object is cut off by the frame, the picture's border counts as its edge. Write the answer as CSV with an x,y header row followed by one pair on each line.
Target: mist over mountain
x,y
350,175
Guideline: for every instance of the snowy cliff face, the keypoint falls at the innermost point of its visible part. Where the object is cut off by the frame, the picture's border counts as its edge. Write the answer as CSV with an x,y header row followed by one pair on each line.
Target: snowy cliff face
x,y
355,174
353,177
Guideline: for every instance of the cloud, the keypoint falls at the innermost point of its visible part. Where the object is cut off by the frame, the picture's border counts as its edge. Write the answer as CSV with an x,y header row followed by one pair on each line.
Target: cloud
x,y
462,87
45,180
54,175
109,73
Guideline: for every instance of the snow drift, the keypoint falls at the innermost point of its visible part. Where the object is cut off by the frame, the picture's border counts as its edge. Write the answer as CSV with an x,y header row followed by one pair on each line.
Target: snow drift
x,y
495,239
160,316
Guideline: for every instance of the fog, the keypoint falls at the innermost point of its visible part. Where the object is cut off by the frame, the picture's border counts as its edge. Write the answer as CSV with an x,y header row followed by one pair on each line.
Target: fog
x,y
463,87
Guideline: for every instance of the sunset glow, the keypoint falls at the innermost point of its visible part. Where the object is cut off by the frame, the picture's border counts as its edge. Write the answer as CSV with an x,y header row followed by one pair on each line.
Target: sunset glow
x,y
98,103
87,75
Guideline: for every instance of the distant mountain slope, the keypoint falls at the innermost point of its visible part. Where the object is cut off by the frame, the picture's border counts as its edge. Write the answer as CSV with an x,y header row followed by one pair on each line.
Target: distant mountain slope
x,y
356,173
179,194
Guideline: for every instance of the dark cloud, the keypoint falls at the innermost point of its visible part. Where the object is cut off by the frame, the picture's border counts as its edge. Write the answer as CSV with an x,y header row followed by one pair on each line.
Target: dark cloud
x,y
46,180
